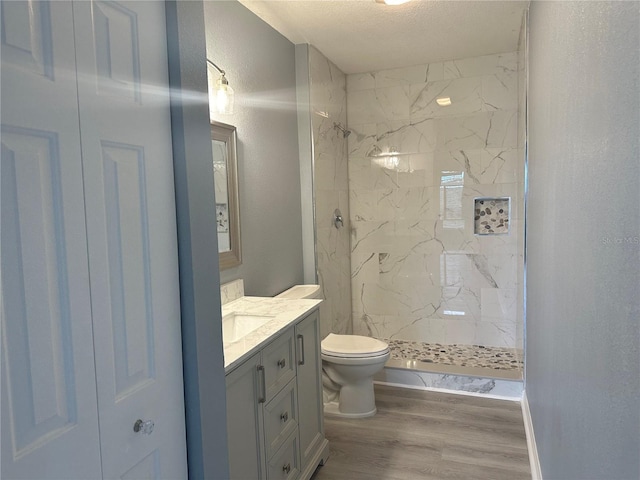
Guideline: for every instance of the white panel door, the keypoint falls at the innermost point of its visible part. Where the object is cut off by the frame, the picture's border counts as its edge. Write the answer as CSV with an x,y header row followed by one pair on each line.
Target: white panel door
x,y
49,413
128,176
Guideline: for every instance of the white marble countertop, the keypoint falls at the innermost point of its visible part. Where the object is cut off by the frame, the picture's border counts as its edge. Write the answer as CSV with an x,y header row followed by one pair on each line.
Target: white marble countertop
x,y
285,312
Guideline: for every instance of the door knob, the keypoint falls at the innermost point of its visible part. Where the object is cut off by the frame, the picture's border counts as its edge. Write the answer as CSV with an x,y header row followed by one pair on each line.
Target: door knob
x,y
145,427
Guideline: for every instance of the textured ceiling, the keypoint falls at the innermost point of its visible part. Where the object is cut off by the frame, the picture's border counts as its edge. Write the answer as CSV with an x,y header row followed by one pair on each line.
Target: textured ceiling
x,y
363,36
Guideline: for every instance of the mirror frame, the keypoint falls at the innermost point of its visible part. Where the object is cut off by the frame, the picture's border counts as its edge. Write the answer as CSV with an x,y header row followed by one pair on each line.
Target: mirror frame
x,y
227,134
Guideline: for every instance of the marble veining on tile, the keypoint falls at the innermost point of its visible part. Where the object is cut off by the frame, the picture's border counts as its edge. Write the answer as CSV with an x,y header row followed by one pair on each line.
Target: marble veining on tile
x,y
419,271
231,291
471,384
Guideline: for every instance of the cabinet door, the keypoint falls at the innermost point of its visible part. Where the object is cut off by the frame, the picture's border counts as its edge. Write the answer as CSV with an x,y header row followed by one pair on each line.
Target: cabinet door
x,y
49,412
127,162
309,380
244,421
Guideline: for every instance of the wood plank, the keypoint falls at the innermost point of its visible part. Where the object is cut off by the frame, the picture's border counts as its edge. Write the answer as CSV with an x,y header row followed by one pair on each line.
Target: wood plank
x,y
428,435
515,459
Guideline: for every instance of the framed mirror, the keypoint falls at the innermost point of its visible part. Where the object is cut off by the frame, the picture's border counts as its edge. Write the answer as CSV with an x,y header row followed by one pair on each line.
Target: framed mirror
x,y
225,179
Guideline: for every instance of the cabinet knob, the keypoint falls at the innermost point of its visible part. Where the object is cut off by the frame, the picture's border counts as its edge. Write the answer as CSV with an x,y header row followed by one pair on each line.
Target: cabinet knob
x,y
284,417
145,427
282,363
286,468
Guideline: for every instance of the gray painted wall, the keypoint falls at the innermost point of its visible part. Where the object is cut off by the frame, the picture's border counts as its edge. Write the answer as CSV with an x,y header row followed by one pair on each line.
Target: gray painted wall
x,y
260,66
583,238
203,363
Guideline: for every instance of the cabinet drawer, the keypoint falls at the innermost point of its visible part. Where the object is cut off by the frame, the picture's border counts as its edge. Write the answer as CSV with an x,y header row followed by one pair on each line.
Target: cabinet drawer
x,y
278,359
280,418
284,464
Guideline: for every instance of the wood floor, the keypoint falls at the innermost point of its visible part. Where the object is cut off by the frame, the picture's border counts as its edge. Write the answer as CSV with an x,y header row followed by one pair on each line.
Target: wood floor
x,y
428,435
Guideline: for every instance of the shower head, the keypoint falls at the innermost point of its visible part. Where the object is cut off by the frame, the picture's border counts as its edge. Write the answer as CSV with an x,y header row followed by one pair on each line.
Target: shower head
x,y
345,132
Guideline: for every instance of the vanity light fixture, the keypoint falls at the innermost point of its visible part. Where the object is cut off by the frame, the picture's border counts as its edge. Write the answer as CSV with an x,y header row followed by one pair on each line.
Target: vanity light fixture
x,y
392,2
444,101
221,96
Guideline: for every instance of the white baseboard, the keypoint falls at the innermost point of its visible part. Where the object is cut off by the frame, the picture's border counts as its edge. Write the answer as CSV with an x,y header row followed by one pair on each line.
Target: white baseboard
x,y
534,460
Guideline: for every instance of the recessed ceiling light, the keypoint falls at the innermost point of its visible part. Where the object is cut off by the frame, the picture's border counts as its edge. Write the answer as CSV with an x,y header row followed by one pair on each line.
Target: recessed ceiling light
x,y
444,101
392,2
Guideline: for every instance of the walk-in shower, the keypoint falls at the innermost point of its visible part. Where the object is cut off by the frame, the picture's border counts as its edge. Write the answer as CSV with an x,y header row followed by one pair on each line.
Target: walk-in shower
x,y
422,276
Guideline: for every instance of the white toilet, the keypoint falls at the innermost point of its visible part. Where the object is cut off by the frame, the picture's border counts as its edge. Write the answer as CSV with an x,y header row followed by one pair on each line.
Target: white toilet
x,y
349,363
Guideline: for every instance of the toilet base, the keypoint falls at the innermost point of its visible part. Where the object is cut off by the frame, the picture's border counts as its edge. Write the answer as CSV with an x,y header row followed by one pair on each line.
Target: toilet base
x,y
333,409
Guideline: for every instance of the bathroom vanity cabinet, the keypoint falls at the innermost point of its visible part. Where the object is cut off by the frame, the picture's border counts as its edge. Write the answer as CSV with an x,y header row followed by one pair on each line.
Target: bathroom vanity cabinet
x,y
274,407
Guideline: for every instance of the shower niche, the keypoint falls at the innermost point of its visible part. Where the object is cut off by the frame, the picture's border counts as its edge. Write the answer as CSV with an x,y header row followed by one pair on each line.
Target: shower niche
x,y
491,216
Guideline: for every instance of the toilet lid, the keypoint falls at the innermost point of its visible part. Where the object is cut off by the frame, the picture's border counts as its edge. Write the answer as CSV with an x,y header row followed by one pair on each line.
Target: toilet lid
x,y
353,346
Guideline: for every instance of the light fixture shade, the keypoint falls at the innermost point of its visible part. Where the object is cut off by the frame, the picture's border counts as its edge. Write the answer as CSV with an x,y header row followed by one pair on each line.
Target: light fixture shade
x,y
222,97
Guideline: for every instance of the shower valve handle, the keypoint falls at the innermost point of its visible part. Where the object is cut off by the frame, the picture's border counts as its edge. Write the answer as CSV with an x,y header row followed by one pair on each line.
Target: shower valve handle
x,y
337,219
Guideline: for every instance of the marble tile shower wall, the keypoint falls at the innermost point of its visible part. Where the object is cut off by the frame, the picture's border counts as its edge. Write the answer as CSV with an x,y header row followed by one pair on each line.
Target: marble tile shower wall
x,y
328,106
418,272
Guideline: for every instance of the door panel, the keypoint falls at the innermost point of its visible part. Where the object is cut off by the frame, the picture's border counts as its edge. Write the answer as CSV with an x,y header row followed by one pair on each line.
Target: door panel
x,y
48,373
115,30
41,374
245,422
128,170
148,467
309,380
27,40
128,260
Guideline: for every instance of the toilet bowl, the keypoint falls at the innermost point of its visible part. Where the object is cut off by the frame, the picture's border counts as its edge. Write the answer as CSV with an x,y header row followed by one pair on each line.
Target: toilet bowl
x,y
349,363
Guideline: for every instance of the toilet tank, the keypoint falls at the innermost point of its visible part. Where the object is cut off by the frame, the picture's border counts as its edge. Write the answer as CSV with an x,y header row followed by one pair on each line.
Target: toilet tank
x,y
301,291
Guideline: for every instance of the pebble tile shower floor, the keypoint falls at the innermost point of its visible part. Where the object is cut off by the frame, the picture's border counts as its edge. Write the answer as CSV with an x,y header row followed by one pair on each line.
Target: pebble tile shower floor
x,y
479,356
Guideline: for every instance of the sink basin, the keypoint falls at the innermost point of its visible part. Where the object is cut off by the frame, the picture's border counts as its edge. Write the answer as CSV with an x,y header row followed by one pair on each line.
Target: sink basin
x,y
237,325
